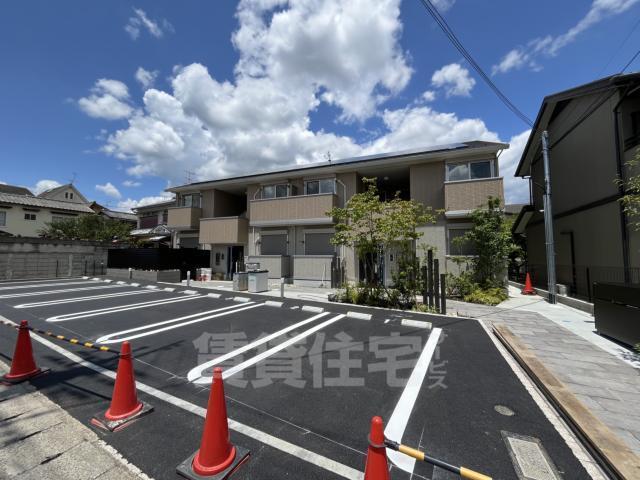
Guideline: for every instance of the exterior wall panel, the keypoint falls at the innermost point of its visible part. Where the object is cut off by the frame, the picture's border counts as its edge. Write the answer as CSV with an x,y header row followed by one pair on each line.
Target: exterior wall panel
x,y
471,194
291,209
224,230
184,217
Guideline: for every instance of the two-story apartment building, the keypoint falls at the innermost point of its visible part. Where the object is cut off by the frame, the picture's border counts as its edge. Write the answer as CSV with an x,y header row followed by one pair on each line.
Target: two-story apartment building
x,y
594,129
279,218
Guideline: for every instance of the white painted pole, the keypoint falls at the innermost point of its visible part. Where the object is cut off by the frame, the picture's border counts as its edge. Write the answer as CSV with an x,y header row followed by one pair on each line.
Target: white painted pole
x,y
188,278
281,287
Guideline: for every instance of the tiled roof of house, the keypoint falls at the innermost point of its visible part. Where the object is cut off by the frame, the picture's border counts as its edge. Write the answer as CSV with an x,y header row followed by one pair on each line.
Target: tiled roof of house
x,y
37,202
14,190
119,215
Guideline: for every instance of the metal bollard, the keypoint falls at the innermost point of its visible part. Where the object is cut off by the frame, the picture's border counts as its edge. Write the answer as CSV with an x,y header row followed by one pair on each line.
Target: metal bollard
x,y
281,287
188,278
130,273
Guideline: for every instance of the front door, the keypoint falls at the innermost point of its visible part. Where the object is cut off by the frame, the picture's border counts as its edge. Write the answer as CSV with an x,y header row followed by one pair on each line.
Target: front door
x,y
235,259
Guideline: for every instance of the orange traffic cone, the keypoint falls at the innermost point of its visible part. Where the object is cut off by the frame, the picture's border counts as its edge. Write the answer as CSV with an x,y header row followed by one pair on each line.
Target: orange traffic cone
x,y
23,365
528,287
376,467
217,458
125,405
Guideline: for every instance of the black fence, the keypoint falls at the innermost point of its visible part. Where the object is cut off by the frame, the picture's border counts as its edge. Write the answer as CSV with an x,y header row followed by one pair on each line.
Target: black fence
x,y
579,279
183,259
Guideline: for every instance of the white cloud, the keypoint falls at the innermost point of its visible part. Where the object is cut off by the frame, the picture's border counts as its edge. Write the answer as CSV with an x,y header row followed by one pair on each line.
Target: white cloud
x,y
129,204
443,5
131,183
140,21
550,46
455,79
146,78
108,100
429,96
516,189
109,190
44,185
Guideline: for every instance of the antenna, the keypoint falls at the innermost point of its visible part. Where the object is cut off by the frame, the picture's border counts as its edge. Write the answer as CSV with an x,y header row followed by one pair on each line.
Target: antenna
x,y
73,177
188,176
328,156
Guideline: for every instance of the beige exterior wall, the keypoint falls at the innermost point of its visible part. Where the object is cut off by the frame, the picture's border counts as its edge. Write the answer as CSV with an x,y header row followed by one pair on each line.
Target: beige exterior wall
x,y
77,196
290,209
224,230
17,225
208,203
427,184
184,217
471,194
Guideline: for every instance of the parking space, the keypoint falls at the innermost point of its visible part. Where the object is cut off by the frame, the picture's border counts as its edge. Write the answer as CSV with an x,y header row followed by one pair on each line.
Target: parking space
x,y
306,376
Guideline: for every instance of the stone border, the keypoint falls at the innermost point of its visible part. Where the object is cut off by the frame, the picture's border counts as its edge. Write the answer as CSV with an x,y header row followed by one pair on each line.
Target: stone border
x,y
568,301
611,452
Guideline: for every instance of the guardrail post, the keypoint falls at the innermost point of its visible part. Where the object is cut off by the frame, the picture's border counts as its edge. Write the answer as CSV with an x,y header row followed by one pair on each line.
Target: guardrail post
x,y
430,278
188,278
281,287
443,293
436,277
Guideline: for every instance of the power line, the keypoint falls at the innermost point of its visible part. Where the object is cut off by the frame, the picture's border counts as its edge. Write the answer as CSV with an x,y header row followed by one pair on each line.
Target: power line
x,y
622,44
630,61
442,23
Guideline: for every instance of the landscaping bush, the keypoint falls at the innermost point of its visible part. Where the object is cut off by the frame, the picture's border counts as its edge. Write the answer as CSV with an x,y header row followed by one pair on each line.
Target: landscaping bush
x,y
489,296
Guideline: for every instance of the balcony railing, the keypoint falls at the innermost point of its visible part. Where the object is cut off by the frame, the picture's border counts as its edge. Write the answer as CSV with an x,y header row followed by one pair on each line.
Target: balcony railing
x,y
224,230
471,194
184,217
296,210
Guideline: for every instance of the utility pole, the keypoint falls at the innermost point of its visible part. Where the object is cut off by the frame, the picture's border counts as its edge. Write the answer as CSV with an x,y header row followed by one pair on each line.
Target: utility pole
x,y
548,221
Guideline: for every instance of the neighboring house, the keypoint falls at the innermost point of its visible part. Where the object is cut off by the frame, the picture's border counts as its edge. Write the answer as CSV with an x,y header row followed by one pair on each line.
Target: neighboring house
x,y
26,215
125,217
14,190
151,224
593,130
279,218
65,193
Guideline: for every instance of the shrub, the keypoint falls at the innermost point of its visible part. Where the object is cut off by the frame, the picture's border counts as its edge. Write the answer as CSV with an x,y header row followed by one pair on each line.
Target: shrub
x,y
489,296
421,307
460,285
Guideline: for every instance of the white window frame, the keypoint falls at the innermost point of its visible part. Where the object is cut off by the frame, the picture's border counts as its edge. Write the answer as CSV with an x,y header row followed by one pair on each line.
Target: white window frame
x,y
468,163
192,196
29,215
320,180
275,190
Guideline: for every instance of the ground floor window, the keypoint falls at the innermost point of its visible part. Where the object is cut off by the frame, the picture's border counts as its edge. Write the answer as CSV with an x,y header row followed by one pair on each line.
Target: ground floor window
x,y
274,244
318,244
3,219
458,247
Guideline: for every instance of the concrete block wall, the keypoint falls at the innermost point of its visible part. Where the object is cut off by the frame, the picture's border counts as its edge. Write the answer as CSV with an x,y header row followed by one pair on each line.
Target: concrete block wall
x,y
25,258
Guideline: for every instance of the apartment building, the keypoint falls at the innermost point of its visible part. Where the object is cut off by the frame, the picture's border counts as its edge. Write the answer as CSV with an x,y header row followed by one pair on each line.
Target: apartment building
x,y
279,218
594,129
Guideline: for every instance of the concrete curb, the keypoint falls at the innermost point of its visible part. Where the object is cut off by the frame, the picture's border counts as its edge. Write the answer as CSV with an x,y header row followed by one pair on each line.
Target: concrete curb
x,y
610,451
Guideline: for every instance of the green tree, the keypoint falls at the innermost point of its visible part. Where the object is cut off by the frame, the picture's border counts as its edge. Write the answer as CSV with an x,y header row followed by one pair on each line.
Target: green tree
x,y
87,227
631,199
371,225
493,244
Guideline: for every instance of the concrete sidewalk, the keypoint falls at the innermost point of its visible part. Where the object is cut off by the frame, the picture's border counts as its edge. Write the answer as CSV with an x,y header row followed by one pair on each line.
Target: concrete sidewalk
x,y
598,372
38,439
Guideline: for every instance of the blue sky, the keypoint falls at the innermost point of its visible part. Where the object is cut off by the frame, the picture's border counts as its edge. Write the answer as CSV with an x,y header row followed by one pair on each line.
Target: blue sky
x,y
126,97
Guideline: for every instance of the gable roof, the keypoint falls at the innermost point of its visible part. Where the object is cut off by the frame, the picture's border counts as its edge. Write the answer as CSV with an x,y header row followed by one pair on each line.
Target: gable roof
x,y
14,190
37,202
551,104
53,191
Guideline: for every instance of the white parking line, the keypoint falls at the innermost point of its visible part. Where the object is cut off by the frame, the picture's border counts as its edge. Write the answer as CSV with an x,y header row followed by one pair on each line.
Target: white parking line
x,y
13,282
41,285
252,361
106,339
284,446
195,374
120,308
81,299
400,417
51,292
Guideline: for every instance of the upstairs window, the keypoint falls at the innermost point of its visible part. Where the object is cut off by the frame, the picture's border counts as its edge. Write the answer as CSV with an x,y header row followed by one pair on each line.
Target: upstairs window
x,y
314,187
30,216
3,219
191,200
469,170
275,191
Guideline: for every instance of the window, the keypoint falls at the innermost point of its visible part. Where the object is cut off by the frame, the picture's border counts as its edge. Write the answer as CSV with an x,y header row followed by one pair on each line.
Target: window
x,y
3,219
318,244
326,185
191,200
71,195
275,191
66,195
30,216
469,170
458,247
273,244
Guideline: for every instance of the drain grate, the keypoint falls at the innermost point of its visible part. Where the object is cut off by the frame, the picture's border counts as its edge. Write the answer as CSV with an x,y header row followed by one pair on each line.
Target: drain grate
x,y
530,459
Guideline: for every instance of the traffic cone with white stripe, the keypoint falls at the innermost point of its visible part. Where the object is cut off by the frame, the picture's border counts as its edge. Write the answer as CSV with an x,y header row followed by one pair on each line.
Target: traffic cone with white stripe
x,y
125,406
23,365
528,287
217,458
377,467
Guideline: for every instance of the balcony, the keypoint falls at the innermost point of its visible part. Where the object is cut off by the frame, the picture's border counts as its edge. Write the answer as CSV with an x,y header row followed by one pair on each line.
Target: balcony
x,y
296,210
184,217
224,230
466,195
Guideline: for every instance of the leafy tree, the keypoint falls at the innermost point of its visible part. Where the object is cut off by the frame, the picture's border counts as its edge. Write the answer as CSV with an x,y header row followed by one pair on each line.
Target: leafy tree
x,y
87,227
493,244
631,199
371,225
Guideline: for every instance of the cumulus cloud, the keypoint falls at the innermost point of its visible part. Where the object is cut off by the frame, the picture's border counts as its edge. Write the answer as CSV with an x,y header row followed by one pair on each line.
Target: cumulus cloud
x,y
108,100
550,46
131,183
129,204
44,185
455,80
516,190
443,5
146,78
140,21
109,190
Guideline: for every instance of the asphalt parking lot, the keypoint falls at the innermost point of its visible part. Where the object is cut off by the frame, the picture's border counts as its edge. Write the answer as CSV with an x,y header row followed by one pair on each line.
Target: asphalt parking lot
x,y
302,379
